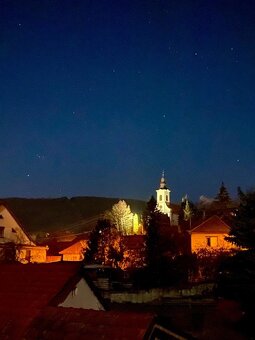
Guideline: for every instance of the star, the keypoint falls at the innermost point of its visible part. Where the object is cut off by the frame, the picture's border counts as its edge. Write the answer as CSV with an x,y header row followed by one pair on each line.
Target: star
x,y
195,53
39,156
28,175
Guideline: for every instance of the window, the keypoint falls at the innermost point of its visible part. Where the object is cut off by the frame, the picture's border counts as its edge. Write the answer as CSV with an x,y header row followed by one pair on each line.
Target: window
x,y
1,232
1,217
212,241
160,197
167,198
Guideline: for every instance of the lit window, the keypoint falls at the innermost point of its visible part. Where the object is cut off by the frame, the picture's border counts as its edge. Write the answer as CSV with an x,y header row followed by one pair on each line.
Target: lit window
x,y
212,241
2,232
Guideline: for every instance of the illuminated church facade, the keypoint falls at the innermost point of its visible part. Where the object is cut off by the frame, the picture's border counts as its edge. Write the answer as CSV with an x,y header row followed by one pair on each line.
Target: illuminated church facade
x,y
164,201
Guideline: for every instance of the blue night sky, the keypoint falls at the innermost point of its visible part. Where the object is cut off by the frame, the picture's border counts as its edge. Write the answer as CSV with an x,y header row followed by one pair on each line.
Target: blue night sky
x,y
98,97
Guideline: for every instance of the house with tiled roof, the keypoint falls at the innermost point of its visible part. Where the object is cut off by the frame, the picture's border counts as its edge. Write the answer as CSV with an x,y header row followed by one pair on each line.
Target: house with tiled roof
x,y
14,238
58,301
210,235
68,250
26,290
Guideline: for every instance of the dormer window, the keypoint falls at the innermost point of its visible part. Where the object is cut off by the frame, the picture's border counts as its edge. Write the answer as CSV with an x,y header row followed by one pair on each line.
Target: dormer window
x,y
1,232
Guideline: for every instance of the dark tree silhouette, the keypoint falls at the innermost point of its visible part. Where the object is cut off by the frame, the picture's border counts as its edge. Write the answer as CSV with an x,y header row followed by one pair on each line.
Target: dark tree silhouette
x,y
151,218
242,232
223,195
95,236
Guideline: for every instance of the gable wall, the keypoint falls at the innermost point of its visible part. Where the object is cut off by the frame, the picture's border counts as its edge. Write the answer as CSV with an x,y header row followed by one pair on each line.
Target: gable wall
x,y
75,252
12,231
82,297
199,241
32,254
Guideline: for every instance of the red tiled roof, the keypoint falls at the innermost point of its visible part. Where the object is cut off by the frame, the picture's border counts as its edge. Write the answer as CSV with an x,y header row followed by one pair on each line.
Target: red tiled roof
x,y
69,323
56,247
213,225
26,289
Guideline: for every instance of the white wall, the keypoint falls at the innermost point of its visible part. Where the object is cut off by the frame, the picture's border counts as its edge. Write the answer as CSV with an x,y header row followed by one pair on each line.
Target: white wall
x,y
82,297
12,231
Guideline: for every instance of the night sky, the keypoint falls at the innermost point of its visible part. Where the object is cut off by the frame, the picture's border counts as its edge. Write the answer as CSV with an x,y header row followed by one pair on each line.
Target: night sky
x,y
98,97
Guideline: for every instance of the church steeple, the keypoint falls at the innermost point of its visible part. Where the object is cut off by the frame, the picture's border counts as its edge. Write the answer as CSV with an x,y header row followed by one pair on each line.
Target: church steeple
x,y
162,184
163,196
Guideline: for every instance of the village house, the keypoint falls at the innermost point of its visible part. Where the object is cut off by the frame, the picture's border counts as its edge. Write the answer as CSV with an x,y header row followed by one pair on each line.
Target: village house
x,y
26,290
68,250
57,300
15,241
210,235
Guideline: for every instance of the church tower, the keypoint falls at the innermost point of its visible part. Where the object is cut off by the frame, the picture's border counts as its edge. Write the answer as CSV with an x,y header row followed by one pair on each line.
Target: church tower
x,y
163,197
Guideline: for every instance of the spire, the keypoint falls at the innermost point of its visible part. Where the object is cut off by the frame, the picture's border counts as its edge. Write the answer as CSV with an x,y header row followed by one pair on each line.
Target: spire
x,y
162,184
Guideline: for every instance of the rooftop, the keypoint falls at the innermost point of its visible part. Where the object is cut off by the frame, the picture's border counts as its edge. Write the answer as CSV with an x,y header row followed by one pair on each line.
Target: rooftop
x,y
212,225
59,323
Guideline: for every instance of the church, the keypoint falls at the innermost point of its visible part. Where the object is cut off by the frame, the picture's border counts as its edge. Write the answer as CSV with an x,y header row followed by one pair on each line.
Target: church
x,y
164,204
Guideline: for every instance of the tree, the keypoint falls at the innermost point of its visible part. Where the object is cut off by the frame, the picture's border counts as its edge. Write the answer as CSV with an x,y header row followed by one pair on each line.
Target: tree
x,y
242,232
110,247
188,212
95,236
151,219
121,217
105,245
237,279
223,195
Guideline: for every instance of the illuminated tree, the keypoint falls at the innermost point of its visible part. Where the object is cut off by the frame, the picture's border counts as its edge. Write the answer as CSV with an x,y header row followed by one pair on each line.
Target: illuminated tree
x,y
121,217
105,245
188,212
110,247
95,237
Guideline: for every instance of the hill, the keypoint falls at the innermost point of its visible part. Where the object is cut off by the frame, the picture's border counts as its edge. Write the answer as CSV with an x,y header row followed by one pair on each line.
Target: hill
x,y
57,214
